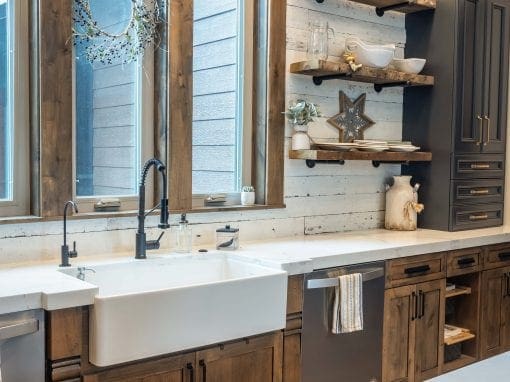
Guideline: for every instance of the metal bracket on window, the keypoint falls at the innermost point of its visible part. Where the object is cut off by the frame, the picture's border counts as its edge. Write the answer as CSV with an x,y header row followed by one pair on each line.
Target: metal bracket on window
x,y
310,163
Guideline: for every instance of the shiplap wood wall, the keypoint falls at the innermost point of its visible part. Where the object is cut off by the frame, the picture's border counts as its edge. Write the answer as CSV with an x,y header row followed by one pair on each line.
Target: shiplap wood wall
x,y
328,198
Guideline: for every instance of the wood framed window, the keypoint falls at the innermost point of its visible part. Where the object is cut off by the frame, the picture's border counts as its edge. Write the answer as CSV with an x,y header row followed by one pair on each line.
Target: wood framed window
x,y
256,104
14,106
170,133
113,113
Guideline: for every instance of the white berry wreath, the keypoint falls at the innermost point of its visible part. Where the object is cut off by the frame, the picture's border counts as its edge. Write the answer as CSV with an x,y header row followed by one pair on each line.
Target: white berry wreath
x,y
124,47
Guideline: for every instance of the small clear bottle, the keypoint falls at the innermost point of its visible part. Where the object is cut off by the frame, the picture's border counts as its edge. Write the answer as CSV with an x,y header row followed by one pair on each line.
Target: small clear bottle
x,y
184,236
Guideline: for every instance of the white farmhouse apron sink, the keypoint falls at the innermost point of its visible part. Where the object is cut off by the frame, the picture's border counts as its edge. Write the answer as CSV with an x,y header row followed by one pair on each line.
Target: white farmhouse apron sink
x,y
151,307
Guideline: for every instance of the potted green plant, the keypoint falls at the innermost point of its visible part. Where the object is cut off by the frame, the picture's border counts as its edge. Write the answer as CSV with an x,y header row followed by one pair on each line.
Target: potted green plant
x,y
299,115
248,196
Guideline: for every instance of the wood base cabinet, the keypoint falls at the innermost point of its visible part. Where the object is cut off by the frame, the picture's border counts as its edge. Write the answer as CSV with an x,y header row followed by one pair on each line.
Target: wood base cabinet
x,y
178,368
495,315
257,359
413,331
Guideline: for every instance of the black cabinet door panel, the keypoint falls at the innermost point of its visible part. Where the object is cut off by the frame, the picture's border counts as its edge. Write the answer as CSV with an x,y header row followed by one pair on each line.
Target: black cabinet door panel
x,y
469,78
496,75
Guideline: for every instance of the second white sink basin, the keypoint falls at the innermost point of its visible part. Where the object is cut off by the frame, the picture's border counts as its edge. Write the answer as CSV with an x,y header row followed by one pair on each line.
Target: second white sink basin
x,y
157,306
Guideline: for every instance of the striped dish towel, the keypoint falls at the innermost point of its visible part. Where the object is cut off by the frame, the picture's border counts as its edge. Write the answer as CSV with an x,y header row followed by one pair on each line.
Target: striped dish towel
x,y
348,304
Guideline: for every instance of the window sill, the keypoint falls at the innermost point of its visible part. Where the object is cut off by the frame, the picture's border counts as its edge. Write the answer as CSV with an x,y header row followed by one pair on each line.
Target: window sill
x,y
20,219
235,208
133,213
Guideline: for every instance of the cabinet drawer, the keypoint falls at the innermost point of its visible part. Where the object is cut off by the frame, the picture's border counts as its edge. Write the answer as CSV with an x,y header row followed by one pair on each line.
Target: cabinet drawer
x,y
463,261
477,191
479,166
416,269
497,256
476,216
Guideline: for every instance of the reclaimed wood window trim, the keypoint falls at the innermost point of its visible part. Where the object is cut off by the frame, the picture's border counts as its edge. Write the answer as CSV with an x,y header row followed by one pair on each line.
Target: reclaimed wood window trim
x,y
268,103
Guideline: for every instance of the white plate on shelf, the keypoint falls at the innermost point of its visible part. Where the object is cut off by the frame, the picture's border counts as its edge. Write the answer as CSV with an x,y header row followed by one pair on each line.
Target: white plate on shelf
x,y
336,146
366,142
373,148
404,148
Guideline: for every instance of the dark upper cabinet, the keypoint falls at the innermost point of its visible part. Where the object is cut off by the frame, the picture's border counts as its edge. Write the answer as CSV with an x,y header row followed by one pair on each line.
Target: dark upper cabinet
x,y
462,118
482,76
495,84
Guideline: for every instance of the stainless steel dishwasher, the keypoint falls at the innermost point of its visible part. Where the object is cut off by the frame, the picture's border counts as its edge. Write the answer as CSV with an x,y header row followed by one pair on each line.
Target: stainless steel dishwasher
x,y
22,347
352,357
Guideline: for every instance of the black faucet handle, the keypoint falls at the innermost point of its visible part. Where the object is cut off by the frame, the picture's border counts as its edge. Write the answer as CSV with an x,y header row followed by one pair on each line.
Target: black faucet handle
x,y
154,244
74,252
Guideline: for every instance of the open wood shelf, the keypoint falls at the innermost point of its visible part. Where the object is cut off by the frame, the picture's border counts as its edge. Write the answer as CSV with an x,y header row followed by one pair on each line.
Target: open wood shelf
x,y
464,360
325,70
459,290
404,6
313,156
461,337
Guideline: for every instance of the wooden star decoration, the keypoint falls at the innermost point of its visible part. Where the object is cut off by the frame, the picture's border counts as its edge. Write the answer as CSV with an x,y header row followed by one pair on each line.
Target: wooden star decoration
x,y
351,121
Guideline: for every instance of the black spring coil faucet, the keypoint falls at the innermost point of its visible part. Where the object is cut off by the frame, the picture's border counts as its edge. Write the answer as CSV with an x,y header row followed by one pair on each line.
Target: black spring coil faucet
x,y
142,245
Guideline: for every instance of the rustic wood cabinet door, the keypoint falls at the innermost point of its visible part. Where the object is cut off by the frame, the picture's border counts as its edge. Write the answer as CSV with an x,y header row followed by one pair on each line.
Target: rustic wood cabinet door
x,y
495,316
400,310
180,368
469,78
258,359
497,36
429,341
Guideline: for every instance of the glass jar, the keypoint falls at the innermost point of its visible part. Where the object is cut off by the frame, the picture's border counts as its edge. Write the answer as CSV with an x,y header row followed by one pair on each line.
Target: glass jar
x,y
184,236
318,40
227,238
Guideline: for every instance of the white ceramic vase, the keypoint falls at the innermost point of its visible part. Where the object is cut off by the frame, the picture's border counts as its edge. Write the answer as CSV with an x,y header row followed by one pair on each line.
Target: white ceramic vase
x,y
300,138
402,205
247,198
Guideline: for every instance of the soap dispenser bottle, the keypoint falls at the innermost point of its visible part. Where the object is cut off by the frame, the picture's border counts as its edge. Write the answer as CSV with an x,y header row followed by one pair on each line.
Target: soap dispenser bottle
x,y
184,236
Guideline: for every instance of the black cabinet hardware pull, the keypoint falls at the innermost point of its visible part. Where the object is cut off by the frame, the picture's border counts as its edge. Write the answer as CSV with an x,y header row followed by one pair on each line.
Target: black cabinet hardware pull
x,y
189,366
201,363
466,261
504,256
422,304
419,269
507,276
414,306
480,124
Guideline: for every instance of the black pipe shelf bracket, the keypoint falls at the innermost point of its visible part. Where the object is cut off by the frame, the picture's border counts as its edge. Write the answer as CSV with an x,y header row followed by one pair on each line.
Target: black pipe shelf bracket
x,y
377,163
310,163
317,80
379,11
379,87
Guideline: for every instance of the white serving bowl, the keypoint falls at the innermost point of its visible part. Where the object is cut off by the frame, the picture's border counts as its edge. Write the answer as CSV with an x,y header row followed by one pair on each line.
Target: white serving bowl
x,y
377,56
409,65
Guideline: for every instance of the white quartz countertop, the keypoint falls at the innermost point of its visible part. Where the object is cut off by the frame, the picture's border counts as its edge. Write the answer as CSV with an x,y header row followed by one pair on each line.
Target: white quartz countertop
x,y
304,254
490,370
34,286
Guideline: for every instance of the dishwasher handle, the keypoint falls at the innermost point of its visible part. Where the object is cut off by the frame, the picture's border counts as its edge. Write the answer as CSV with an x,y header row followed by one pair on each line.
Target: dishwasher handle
x,y
369,274
18,328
